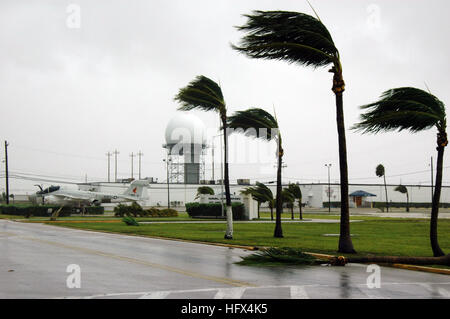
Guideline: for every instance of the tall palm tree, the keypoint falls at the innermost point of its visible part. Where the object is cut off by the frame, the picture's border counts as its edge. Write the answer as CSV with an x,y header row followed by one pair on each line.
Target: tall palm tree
x,y
296,191
412,109
258,123
204,190
302,39
402,189
206,95
380,172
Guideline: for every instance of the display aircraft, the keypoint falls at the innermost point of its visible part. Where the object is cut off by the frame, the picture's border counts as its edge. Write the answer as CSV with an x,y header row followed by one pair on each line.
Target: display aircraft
x,y
65,197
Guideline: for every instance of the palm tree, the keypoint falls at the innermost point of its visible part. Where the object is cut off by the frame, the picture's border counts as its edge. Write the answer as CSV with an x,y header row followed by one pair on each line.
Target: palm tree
x,y
261,124
412,109
289,199
204,190
262,194
206,95
402,189
295,190
380,172
302,39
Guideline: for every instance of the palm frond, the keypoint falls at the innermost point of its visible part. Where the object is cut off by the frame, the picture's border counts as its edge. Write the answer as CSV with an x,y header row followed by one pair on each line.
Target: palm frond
x,y
202,93
295,190
402,189
400,109
290,36
254,123
379,170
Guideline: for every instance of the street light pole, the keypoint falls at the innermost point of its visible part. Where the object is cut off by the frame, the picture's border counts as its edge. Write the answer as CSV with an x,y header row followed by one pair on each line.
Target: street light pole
x,y
329,188
6,173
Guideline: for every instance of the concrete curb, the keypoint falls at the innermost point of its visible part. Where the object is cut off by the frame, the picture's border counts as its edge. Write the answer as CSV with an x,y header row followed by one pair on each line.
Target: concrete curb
x,y
442,271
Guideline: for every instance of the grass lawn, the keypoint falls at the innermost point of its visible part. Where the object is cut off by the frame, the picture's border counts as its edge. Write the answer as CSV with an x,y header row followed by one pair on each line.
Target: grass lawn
x,y
374,235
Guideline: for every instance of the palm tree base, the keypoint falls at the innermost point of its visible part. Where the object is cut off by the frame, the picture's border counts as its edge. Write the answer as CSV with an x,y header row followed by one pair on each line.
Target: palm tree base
x,y
228,236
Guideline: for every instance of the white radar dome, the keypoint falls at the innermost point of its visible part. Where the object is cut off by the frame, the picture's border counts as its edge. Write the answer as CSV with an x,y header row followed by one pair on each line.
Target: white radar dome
x,y
185,128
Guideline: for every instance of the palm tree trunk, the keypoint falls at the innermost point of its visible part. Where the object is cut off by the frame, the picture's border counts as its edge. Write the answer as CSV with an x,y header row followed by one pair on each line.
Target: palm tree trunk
x,y
271,212
407,202
345,241
443,260
385,189
437,251
259,205
300,208
292,210
229,211
278,233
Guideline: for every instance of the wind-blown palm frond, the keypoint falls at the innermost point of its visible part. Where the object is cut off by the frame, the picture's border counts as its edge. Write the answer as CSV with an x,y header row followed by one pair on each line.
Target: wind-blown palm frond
x,y
204,190
202,93
401,188
261,193
254,123
290,36
295,190
404,108
379,170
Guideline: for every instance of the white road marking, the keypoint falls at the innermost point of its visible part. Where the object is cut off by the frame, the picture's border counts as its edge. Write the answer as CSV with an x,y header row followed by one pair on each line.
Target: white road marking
x,y
155,295
298,292
230,293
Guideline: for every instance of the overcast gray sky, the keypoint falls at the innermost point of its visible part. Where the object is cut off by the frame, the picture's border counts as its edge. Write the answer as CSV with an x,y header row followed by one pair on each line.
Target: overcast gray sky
x,y
69,95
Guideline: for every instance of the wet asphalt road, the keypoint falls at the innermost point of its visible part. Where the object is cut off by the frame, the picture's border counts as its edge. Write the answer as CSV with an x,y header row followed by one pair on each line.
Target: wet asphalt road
x,y
34,260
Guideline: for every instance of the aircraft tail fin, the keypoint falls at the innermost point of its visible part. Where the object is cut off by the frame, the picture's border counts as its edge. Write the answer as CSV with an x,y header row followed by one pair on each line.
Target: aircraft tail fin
x,y
136,189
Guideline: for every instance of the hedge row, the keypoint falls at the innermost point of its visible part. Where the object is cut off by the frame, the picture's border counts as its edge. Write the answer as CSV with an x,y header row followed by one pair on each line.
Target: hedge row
x,y
46,210
214,210
136,210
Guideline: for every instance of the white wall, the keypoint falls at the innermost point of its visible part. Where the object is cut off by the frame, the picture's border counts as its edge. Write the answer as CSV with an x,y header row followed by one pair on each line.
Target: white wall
x,y
313,195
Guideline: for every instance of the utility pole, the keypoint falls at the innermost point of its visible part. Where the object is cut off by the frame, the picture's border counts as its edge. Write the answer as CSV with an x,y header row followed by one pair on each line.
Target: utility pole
x,y
6,173
132,155
432,192
109,157
212,152
115,159
140,154
168,181
329,188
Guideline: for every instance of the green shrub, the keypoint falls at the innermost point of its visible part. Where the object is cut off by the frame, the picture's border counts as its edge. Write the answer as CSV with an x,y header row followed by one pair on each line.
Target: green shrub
x,y
95,210
213,210
34,210
130,221
155,212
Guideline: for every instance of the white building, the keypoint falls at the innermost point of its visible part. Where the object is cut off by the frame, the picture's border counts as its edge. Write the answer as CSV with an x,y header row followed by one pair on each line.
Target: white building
x,y
314,195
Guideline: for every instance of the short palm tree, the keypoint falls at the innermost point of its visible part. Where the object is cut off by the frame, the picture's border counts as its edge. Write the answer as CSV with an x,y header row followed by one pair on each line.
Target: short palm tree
x,y
206,95
204,190
289,199
302,39
261,193
412,109
380,172
258,123
402,189
295,190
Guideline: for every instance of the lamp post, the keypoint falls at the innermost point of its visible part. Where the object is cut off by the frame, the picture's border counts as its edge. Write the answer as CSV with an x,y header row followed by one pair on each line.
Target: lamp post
x,y
168,182
329,187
